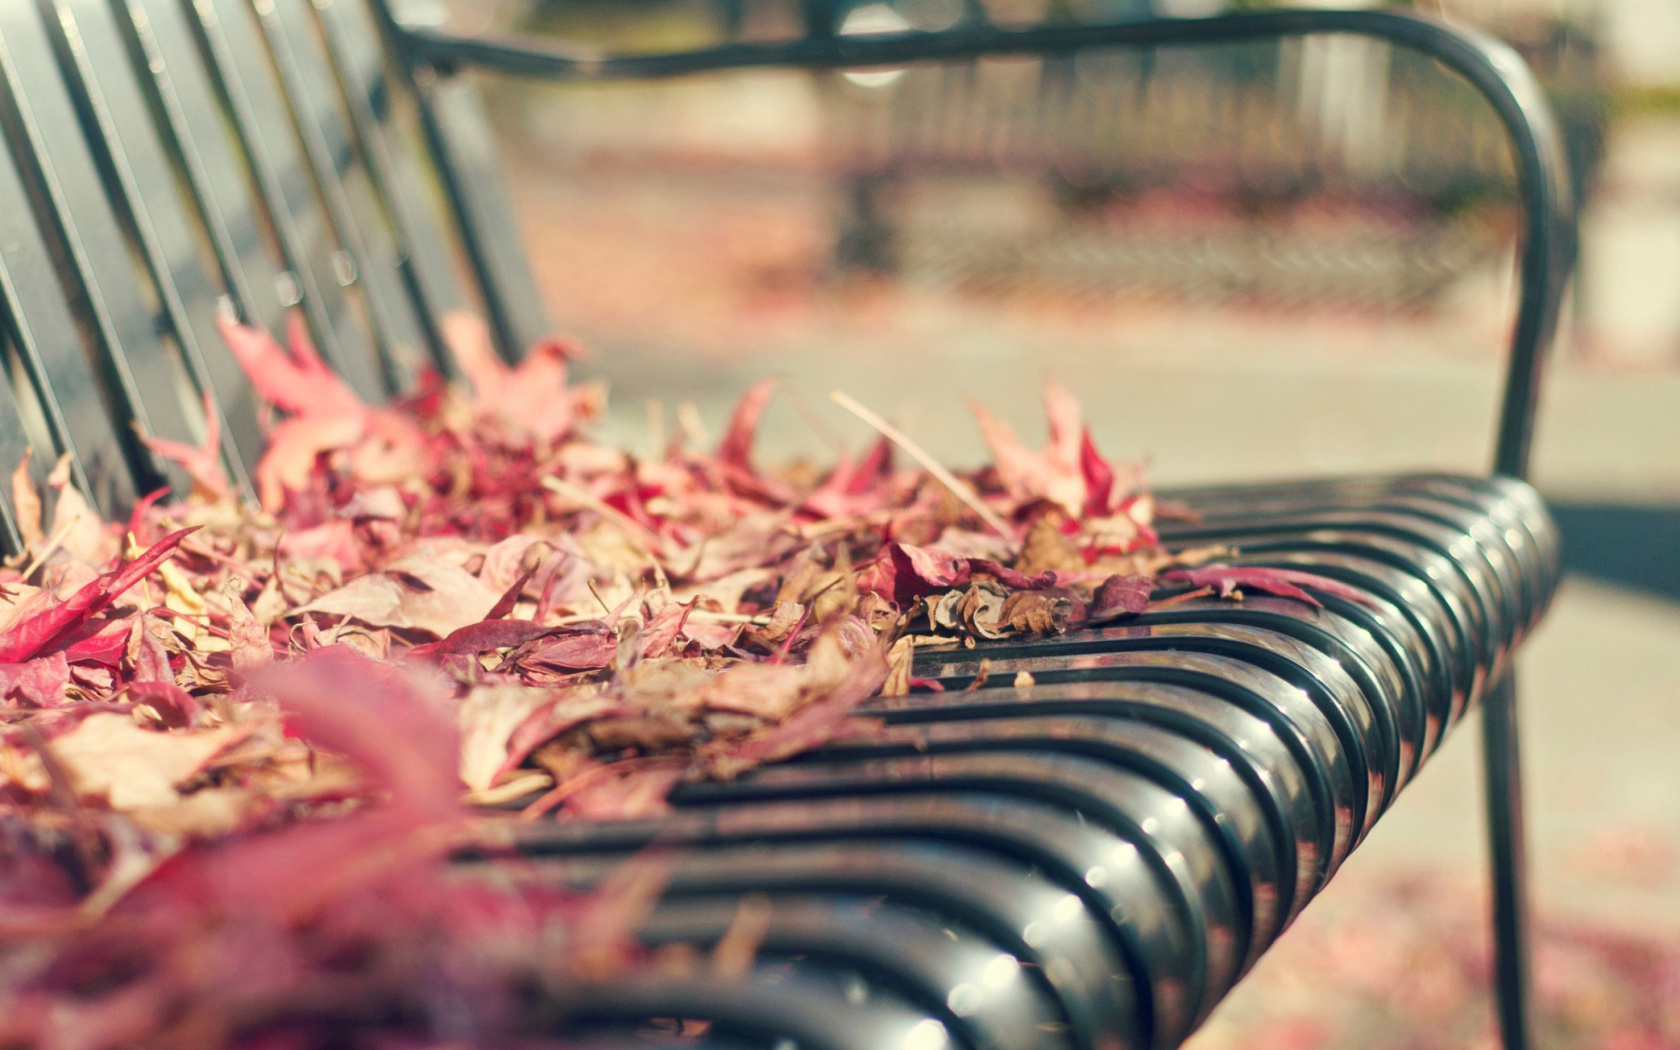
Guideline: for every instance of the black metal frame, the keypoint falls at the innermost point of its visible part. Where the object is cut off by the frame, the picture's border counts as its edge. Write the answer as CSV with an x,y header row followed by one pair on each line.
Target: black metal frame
x,y
427,55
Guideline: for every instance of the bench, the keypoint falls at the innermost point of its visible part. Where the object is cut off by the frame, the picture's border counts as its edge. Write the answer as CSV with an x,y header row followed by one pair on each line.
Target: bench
x,y
1091,861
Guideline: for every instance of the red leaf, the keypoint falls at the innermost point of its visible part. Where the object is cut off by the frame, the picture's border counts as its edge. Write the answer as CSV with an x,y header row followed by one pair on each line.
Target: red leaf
x,y
1099,478
1014,578
1284,583
1120,596
564,712
174,705
482,637
582,647
933,567
378,716
510,597
907,572
736,448
40,681
665,628
28,637
202,464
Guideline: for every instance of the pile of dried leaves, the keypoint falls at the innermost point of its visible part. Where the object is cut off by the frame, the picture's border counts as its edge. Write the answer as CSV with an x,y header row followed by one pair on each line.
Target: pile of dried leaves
x,y
237,739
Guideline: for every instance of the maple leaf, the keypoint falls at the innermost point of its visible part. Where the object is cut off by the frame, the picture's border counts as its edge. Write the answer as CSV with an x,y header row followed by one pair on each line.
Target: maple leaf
x,y
298,382
533,396
396,730
108,756
203,463
735,449
31,636
26,504
1068,471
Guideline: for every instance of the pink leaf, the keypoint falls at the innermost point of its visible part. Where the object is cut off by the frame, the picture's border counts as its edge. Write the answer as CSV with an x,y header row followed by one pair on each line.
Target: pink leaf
x,y
301,384
204,463
377,715
665,628
174,705
581,647
736,447
484,636
28,637
1284,583
40,681
1099,479
1120,596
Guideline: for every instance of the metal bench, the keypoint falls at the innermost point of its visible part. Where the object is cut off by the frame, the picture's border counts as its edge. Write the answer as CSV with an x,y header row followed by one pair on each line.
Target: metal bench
x,y
1090,862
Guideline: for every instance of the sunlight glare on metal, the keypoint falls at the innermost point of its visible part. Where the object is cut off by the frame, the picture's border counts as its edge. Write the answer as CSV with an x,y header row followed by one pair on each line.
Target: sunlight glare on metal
x,y
874,18
927,1034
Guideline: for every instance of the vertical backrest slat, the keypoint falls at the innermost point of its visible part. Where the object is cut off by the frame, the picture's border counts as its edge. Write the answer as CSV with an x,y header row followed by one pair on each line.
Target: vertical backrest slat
x,y
359,215
44,335
452,115
353,43
192,127
145,186
14,445
150,390
463,153
240,66
166,160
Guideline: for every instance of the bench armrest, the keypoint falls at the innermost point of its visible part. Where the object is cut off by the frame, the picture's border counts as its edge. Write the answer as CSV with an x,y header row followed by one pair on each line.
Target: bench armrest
x,y
1490,66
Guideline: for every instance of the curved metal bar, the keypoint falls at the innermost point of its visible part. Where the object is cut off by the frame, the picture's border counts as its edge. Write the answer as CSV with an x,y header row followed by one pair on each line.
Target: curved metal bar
x,y
1491,67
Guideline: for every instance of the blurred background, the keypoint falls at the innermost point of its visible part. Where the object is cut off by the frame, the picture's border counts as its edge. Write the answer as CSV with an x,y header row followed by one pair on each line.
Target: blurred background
x,y
1247,261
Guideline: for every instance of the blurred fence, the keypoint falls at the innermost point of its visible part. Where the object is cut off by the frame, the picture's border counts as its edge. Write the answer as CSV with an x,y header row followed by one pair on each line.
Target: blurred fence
x,y
1261,138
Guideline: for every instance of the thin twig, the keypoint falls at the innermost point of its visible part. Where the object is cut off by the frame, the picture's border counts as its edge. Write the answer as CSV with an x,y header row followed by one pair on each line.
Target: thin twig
x,y
728,617
635,529
958,487
52,544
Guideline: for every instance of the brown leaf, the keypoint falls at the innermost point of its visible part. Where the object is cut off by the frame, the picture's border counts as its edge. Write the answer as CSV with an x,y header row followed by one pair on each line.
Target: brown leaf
x,y
1047,548
110,757
1037,613
422,593
27,503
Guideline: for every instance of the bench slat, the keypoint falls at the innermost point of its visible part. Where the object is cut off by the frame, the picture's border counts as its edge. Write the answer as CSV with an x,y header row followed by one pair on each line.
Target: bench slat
x,y
356,211
146,382
45,335
192,127
95,57
239,64
463,150
353,45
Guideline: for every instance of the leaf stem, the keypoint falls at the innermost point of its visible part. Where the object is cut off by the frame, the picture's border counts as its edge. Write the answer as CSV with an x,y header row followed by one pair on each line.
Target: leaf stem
x,y
635,529
958,487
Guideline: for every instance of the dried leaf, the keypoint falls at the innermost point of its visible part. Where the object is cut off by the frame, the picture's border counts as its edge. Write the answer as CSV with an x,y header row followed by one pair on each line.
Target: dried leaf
x,y
1035,613
488,716
26,504
425,594
111,758
736,447
1120,596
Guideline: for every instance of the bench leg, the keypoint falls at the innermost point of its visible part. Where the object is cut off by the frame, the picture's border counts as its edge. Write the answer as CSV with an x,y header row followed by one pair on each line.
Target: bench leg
x,y
1503,771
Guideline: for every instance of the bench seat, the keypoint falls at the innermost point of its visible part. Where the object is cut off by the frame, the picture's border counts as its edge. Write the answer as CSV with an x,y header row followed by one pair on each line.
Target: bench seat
x,y
1092,860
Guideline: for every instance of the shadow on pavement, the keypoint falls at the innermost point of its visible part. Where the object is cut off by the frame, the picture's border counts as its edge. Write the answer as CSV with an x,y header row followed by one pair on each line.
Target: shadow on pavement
x,y
1634,546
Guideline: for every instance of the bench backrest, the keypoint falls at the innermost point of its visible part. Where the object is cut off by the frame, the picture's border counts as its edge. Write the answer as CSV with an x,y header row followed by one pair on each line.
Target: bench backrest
x,y
171,160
